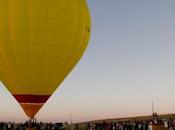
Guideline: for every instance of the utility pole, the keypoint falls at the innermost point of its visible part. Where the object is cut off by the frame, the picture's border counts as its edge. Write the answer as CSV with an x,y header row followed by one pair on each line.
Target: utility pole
x,y
152,107
72,127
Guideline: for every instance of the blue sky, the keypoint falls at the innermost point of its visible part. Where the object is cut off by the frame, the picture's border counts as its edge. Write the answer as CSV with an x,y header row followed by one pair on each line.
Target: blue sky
x,y
128,64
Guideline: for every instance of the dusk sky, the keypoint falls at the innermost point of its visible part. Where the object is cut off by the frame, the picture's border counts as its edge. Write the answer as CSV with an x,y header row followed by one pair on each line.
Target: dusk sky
x,y
130,62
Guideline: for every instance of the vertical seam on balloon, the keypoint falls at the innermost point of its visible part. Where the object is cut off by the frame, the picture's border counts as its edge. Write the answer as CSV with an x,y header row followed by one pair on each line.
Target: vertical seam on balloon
x,y
63,77
3,57
64,16
75,55
77,29
29,33
77,25
59,47
28,60
12,44
59,41
44,49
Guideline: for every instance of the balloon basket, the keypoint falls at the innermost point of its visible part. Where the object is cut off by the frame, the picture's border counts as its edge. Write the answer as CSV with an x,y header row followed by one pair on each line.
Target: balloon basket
x,y
158,127
31,124
31,128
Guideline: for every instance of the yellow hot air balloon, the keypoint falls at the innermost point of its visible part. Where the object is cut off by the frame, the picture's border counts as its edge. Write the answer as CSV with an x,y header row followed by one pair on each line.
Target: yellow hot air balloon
x,y
40,42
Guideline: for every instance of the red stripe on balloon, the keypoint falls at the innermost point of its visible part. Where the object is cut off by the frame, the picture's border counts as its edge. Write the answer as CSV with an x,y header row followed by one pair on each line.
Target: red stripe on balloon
x,y
31,98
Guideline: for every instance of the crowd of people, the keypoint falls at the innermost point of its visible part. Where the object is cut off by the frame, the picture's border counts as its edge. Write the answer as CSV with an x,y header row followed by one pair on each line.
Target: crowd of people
x,y
166,124
37,126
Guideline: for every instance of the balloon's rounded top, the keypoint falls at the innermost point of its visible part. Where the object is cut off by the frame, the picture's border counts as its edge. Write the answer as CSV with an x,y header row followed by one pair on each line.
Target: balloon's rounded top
x,y
40,42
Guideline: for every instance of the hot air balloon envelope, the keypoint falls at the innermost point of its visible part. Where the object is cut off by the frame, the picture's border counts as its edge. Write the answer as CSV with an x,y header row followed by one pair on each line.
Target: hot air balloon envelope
x,y
40,42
